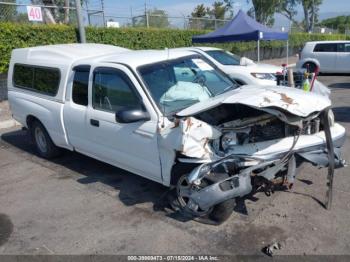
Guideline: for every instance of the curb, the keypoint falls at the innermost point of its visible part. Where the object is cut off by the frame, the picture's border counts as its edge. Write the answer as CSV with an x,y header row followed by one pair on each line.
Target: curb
x,y
8,123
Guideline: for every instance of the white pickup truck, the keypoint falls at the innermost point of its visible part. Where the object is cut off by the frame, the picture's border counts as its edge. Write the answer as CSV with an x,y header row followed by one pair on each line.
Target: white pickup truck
x,y
173,117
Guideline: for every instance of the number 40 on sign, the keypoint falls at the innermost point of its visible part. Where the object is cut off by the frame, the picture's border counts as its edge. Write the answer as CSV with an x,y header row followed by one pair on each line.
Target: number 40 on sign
x,y
34,13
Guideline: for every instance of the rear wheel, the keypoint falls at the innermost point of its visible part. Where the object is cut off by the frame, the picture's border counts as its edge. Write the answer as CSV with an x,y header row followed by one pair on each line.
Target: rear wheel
x,y
310,66
44,145
216,214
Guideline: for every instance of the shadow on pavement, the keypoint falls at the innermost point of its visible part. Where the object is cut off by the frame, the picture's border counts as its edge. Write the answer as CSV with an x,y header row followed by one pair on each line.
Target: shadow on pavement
x,y
132,189
342,113
340,85
310,196
334,74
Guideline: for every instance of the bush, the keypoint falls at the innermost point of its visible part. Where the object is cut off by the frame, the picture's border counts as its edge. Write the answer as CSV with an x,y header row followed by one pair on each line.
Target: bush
x,y
27,35
22,35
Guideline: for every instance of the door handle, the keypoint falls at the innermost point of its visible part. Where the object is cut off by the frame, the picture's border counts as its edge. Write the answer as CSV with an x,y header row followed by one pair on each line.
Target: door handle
x,y
94,122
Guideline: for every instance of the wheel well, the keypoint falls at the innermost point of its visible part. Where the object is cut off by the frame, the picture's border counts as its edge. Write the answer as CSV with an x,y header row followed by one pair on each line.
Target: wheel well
x,y
308,62
180,169
30,120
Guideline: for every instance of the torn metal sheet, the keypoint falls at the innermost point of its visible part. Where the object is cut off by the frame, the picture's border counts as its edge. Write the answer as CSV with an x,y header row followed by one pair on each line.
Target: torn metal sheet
x,y
289,99
190,137
320,157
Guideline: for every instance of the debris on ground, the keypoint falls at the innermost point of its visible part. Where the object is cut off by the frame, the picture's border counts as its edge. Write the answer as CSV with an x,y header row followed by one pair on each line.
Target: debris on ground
x,y
270,249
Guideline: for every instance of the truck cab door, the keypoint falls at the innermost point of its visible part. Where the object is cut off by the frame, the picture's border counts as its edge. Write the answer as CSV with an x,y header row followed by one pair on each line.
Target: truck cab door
x,y
132,146
75,107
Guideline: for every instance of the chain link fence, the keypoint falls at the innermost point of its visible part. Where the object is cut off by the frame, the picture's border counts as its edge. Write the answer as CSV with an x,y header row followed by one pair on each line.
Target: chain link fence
x,y
161,21
316,30
95,14
11,11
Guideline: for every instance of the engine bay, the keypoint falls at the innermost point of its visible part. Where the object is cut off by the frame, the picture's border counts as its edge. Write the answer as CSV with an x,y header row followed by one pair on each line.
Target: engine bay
x,y
240,125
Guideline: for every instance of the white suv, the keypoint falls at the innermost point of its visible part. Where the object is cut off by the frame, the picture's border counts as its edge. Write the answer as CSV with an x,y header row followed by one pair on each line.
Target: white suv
x,y
329,56
241,69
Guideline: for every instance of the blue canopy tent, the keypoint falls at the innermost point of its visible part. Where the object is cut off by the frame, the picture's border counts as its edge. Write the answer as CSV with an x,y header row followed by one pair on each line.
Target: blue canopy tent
x,y
242,28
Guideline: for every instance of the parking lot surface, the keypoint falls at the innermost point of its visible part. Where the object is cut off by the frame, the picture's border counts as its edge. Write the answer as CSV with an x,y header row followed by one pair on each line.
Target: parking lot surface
x,y
78,205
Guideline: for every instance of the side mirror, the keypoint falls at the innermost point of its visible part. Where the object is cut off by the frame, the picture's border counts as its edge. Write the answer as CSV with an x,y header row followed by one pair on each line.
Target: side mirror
x,y
131,115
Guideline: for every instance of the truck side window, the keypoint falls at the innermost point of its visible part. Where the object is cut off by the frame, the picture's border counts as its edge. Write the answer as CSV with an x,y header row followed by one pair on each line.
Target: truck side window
x,y
39,79
81,85
113,90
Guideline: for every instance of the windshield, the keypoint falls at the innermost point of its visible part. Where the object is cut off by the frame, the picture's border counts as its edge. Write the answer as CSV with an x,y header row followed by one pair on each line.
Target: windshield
x,y
177,84
224,57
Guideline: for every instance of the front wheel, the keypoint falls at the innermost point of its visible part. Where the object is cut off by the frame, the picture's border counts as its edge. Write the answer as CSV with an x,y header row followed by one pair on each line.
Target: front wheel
x,y
216,214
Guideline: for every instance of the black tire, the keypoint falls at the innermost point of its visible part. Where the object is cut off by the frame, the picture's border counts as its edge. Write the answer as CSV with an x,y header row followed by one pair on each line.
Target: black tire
x,y
310,66
44,145
221,212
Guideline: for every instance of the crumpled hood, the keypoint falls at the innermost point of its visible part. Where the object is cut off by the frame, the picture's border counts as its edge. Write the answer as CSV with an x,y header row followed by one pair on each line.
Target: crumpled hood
x,y
292,100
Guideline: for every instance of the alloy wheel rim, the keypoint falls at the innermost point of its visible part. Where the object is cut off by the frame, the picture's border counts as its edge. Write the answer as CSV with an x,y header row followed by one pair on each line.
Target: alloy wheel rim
x,y
40,140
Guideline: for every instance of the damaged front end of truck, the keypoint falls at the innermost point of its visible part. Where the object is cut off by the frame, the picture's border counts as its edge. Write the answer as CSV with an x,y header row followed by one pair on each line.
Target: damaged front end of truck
x,y
251,139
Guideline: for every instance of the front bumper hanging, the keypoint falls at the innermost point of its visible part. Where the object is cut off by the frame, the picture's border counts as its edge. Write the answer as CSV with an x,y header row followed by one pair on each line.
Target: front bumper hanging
x,y
241,184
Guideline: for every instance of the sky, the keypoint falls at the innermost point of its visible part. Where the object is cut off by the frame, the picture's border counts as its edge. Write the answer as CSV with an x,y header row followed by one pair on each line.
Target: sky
x,y
185,7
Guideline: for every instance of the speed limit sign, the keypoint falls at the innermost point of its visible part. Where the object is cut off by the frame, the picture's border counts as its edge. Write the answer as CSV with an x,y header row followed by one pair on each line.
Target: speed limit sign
x,y
34,13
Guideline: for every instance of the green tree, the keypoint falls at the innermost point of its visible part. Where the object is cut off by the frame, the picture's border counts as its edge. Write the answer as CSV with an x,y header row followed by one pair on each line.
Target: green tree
x,y
156,18
229,9
264,11
341,23
216,14
288,8
219,10
199,12
59,13
311,9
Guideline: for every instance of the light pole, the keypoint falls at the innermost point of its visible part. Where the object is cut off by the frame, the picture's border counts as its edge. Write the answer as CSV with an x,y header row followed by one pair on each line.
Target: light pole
x,y
313,15
80,22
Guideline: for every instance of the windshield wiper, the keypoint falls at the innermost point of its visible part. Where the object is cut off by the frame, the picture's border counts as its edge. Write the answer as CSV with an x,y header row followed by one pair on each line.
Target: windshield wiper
x,y
226,89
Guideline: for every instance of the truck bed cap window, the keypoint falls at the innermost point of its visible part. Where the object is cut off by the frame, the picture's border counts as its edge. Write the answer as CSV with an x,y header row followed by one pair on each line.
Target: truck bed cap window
x,y
39,79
